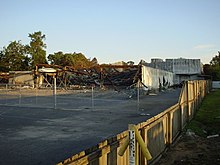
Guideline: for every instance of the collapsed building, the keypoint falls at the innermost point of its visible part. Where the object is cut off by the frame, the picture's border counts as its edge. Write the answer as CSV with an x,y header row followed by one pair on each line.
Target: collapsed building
x,y
99,75
105,76
4,77
21,77
158,74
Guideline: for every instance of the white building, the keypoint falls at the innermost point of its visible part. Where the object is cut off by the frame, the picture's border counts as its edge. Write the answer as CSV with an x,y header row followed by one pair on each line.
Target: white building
x,y
183,69
156,78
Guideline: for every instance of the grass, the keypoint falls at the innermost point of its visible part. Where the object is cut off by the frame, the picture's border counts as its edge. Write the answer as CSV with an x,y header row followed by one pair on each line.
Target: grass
x,y
207,118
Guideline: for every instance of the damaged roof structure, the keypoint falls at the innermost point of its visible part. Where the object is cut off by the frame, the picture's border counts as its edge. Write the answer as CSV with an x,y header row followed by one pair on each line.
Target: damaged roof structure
x,y
4,77
99,75
104,76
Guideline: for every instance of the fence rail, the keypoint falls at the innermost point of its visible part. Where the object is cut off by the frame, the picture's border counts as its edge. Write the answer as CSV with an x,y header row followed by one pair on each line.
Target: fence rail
x,y
157,132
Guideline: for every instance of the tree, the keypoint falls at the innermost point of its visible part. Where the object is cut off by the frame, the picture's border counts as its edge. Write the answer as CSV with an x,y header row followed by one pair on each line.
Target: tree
x,y
216,60
14,57
37,48
214,68
77,60
80,60
56,58
207,69
3,67
62,59
94,61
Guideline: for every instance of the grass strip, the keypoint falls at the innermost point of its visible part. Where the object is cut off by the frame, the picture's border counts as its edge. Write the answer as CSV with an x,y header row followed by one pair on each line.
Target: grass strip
x,y
207,118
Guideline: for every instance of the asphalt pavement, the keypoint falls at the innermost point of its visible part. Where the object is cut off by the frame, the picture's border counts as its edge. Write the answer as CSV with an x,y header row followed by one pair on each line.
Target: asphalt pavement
x,y
33,135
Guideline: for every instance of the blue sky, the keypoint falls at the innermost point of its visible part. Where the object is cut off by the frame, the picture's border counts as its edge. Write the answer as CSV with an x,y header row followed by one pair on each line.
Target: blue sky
x,y
116,30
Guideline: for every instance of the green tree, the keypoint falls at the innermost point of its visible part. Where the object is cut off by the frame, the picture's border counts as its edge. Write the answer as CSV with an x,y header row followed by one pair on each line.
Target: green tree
x,y
215,60
214,68
56,58
77,60
216,73
37,48
94,61
207,69
59,58
14,57
3,67
80,60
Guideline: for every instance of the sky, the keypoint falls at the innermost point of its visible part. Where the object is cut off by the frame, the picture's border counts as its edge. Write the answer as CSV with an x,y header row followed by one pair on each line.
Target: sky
x,y
117,30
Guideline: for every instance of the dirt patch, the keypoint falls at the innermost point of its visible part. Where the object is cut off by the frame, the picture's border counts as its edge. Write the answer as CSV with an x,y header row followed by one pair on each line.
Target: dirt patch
x,y
200,144
191,149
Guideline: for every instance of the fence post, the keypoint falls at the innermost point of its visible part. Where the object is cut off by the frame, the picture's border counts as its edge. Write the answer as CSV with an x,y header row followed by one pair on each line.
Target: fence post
x,y
92,97
181,117
36,95
138,96
194,99
142,159
181,103
6,101
170,128
187,100
19,94
55,92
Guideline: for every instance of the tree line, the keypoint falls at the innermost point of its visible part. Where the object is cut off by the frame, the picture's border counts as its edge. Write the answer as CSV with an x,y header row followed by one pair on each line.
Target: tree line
x,y
17,56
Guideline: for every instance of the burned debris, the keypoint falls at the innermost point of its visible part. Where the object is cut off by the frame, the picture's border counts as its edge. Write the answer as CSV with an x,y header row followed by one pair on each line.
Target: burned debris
x,y
103,76
4,77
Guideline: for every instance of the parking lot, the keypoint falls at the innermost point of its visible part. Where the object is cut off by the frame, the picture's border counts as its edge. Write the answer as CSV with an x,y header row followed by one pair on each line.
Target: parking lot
x,y
33,132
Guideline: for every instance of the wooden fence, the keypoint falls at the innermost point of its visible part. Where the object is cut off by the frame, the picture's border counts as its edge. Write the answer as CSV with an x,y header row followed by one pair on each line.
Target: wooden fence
x,y
157,132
